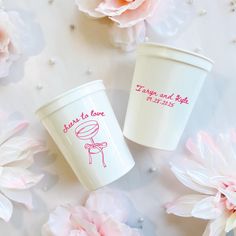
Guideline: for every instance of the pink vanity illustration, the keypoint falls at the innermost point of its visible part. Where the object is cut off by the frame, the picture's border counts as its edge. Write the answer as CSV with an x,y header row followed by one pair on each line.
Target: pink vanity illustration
x,y
87,131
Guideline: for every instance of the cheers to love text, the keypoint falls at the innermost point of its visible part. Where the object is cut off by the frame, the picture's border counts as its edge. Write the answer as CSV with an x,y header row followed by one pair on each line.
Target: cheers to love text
x,y
81,117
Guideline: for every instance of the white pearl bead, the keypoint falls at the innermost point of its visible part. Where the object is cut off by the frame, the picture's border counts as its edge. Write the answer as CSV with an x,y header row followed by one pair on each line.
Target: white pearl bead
x,y
39,86
233,2
88,71
72,27
141,220
198,50
202,12
152,169
45,188
190,1
51,61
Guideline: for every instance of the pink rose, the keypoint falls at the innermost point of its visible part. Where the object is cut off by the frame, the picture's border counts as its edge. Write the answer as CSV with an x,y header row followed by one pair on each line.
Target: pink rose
x,y
133,20
104,214
10,48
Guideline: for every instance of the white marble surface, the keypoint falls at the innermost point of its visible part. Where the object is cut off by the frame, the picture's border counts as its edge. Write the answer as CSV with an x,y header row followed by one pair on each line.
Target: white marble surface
x,y
88,47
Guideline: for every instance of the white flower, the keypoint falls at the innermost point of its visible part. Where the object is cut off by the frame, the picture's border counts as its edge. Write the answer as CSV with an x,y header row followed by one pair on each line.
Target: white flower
x,y
211,171
16,156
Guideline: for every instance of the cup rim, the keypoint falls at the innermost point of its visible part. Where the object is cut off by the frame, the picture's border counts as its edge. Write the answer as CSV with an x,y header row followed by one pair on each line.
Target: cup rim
x,y
175,54
177,49
54,100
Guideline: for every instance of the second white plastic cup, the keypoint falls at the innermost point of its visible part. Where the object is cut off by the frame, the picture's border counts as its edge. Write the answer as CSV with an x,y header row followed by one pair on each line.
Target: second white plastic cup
x,y
166,85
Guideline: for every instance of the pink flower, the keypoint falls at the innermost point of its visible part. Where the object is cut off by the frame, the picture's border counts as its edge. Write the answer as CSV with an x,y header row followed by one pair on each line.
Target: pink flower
x,y
16,156
10,46
104,214
133,20
211,172
125,13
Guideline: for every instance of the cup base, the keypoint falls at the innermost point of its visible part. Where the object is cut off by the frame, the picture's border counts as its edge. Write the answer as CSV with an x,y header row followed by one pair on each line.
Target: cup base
x,y
101,185
162,148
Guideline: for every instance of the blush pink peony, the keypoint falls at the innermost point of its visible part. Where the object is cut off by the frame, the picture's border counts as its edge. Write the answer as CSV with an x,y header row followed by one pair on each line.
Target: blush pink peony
x,y
10,46
133,20
104,214
126,13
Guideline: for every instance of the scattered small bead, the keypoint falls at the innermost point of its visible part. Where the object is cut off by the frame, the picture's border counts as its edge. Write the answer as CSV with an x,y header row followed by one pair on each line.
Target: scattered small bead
x,y
39,87
190,2
141,220
51,61
233,2
88,71
197,50
152,169
233,5
50,1
146,39
45,188
72,27
202,12
234,41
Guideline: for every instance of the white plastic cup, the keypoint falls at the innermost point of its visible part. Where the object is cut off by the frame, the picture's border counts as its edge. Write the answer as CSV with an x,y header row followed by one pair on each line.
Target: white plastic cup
x,y
165,87
84,127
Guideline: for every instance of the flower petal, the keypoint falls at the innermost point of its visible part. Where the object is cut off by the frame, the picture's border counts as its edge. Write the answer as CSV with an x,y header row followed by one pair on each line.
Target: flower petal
x,y
18,149
10,50
89,6
18,178
110,202
115,228
115,8
131,17
191,146
6,208
185,179
183,206
231,223
127,38
20,196
171,17
220,181
228,150
87,225
201,177
210,153
231,195
58,223
216,227
207,208
12,128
